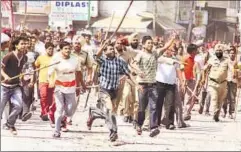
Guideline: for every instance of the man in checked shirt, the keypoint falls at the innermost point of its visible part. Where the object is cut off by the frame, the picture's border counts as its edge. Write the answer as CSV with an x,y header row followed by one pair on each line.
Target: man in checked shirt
x,y
111,69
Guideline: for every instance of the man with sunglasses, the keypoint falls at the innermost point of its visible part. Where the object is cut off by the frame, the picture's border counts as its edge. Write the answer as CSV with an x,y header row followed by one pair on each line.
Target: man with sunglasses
x,y
217,67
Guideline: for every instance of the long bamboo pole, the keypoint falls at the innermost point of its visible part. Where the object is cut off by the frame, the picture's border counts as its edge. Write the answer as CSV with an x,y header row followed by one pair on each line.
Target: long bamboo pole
x,y
36,70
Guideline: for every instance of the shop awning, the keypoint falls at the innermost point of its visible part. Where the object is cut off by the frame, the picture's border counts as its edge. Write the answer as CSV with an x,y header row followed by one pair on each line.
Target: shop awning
x,y
129,25
232,20
168,25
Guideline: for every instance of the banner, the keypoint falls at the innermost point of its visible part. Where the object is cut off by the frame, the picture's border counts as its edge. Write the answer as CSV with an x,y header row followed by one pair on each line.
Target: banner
x,y
73,10
40,7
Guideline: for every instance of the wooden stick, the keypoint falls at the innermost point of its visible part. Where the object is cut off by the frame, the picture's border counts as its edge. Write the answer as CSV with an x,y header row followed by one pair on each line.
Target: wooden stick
x,y
106,34
121,20
236,105
38,69
193,92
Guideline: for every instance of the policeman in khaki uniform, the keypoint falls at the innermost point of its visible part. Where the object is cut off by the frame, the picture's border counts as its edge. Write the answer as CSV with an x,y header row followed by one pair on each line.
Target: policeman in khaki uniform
x,y
218,66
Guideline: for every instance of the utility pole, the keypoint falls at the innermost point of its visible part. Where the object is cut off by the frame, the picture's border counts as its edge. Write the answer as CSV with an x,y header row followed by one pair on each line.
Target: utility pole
x,y
154,17
192,11
88,23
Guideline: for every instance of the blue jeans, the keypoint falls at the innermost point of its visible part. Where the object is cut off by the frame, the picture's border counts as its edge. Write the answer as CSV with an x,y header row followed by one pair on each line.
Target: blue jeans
x,y
148,96
14,95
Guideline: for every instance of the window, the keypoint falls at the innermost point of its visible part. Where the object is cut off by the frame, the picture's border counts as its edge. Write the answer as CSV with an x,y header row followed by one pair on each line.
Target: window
x,y
233,4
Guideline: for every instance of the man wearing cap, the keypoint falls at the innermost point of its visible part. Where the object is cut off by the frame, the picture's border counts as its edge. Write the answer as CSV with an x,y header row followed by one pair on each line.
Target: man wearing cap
x,y
218,66
129,104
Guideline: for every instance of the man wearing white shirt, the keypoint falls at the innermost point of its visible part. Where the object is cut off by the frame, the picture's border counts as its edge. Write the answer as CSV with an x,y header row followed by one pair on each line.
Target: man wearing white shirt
x,y
167,73
39,46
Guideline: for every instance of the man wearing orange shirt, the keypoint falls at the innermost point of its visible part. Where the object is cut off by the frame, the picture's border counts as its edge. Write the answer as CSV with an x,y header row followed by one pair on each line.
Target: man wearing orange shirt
x,y
189,77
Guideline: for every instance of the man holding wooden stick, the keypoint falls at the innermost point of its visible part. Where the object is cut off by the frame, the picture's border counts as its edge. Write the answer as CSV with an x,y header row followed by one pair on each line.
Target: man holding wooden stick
x,y
12,65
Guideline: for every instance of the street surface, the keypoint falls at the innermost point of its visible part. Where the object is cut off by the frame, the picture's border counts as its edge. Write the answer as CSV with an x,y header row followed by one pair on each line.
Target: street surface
x,y
203,135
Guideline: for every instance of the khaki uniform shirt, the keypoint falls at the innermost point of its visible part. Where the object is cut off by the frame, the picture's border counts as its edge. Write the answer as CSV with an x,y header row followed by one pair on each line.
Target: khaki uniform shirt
x,y
84,59
219,69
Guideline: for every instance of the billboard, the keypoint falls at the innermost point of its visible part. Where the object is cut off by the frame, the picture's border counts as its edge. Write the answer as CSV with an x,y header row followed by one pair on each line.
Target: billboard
x,y
73,10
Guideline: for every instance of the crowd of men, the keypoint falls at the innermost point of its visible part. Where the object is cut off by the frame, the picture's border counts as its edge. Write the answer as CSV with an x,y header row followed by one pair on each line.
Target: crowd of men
x,y
150,81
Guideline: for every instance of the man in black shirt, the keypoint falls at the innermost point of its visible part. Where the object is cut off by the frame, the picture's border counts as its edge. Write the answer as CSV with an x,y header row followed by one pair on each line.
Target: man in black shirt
x,y
12,65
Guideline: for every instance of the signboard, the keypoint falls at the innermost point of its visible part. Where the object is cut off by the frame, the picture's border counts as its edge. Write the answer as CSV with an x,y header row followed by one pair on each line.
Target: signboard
x,y
40,7
73,10
201,18
199,31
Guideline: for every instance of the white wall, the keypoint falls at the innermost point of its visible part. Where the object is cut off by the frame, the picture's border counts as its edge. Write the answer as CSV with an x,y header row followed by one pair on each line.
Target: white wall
x,y
107,7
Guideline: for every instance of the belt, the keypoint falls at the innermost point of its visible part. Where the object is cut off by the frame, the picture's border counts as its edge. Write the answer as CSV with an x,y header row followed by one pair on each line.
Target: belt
x,y
148,84
214,80
10,86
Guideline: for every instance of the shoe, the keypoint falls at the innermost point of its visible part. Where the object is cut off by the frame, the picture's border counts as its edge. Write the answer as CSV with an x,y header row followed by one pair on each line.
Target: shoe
x,y
27,116
64,126
139,130
44,117
183,125
154,132
126,119
56,135
200,111
90,122
216,119
170,127
231,116
130,120
13,130
187,117
113,136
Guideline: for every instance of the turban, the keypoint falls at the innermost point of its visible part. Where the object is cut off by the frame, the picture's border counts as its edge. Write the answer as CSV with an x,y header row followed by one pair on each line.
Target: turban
x,y
220,47
132,36
4,38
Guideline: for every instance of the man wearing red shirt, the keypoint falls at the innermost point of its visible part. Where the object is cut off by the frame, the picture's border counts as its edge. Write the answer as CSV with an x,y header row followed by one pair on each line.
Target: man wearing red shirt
x,y
189,77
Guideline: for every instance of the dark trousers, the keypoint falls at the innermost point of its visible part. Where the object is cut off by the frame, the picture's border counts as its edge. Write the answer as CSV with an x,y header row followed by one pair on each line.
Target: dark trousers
x,y
232,91
147,96
166,96
104,109
27,97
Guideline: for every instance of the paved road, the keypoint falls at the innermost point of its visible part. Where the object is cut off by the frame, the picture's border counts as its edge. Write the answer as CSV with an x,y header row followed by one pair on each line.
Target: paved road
x,y
204,134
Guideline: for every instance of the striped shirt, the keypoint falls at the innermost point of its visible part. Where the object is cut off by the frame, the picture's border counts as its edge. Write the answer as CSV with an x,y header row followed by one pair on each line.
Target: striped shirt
x,y
65,72
111,70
